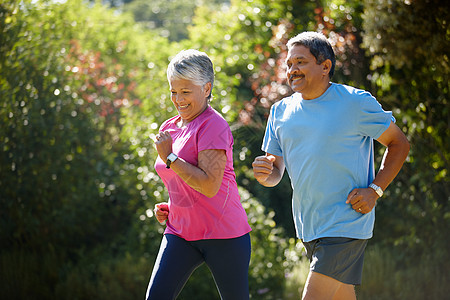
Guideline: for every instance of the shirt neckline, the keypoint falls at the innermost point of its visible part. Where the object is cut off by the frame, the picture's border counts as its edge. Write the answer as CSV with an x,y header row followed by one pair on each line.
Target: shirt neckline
x,y
320,98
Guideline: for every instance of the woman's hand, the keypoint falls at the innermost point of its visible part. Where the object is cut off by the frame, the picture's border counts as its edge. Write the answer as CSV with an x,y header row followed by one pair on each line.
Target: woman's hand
x,y
163,144
161,212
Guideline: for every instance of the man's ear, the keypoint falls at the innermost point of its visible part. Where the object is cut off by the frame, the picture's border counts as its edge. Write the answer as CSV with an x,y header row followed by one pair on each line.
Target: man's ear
x,y
326,67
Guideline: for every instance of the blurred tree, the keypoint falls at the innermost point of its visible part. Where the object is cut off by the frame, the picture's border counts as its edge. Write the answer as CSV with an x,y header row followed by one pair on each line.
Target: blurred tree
x,y
67,180
170,18
410,71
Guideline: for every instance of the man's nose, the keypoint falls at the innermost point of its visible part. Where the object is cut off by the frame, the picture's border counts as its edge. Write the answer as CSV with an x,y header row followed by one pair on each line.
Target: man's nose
x,y
292,68
290,71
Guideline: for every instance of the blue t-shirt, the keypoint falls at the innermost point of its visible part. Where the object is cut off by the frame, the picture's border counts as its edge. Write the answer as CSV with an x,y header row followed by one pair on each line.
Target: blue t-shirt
x,y
327,147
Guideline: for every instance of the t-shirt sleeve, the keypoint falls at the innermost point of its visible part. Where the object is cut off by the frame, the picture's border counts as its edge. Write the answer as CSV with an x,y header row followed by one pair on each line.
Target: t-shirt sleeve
x,y
270,142
373,120
215,133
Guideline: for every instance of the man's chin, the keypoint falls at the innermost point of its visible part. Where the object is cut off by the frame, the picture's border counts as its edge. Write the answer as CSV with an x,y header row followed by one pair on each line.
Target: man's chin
x,y
296,85
295,88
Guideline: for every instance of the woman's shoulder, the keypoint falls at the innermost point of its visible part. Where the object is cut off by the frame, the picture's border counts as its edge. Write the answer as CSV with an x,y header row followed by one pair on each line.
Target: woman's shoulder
x,y
212,124
169,123
212,116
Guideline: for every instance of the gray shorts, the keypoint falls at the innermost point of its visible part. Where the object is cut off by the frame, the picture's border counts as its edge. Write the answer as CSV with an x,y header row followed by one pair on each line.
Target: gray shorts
x,y
338,258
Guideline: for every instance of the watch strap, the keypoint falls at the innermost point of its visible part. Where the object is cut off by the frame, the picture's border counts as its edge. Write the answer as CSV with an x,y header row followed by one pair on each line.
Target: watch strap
x,y
377,189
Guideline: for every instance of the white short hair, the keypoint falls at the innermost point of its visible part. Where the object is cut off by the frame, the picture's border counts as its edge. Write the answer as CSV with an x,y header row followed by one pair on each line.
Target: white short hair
x,y
192,65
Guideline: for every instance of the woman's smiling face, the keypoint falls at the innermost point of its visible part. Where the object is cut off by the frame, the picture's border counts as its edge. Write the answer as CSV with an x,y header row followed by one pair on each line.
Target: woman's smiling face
x,y
189,99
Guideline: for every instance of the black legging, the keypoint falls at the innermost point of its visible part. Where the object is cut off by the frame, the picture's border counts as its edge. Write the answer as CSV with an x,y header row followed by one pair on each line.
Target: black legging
x,y
228,260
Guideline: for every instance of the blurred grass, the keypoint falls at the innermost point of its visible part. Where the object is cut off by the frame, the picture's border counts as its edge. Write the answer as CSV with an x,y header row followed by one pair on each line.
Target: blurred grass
x,y
390,275
387,275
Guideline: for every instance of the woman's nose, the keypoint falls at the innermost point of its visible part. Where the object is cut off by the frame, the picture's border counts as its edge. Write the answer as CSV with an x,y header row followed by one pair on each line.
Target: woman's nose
x,y
176,98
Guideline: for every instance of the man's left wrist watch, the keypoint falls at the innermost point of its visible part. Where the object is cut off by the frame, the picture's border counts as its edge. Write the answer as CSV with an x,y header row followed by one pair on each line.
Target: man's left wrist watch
x,y
170,159
377,189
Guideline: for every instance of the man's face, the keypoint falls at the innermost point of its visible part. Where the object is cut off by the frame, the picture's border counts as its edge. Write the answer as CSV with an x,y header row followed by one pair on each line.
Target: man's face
x,y
304,75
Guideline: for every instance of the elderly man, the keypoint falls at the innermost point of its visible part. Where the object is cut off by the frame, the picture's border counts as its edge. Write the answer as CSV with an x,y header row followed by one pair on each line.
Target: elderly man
x,y
323,135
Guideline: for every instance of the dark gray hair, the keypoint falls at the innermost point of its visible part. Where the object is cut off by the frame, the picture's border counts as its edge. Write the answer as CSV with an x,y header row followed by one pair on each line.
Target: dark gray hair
x,y
192,65
319,46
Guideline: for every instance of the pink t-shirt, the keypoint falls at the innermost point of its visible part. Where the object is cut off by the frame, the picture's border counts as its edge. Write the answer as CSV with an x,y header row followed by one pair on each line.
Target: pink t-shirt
x,y
192,215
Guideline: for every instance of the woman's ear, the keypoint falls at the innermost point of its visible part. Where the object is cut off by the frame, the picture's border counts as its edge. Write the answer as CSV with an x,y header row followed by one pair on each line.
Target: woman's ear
x,y
207,89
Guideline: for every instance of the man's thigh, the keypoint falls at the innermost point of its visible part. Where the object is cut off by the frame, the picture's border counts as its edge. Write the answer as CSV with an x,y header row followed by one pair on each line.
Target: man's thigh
x,y
319,286
338,258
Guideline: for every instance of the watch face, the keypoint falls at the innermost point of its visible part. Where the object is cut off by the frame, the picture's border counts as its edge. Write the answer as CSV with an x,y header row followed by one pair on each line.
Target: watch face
x,y
377,189
172,157
380,192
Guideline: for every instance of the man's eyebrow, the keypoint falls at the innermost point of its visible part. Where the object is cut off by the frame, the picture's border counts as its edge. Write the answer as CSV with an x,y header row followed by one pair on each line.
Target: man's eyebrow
x,y
295,58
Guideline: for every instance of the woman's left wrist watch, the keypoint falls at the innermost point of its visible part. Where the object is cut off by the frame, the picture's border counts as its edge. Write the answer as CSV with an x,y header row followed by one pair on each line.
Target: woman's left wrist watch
x,y
170,159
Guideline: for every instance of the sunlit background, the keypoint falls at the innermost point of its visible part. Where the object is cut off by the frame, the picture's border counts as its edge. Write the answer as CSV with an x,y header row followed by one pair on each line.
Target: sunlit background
x,y
83,91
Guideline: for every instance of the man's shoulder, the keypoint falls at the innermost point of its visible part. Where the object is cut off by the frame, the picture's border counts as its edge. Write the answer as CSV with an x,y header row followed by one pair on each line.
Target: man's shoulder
x,y
285,101
351,91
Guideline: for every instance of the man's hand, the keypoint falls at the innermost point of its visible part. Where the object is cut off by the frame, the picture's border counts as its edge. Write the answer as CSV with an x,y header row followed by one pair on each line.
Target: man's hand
x,y
263,167
362,200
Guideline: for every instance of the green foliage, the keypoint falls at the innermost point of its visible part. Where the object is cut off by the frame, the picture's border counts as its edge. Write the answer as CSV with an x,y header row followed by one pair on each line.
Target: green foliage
x,y
67,75
48,149
24,273
411,72
169,19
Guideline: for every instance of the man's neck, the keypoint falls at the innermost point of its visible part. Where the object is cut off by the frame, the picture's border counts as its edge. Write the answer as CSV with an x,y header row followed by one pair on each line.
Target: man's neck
x,y
317,93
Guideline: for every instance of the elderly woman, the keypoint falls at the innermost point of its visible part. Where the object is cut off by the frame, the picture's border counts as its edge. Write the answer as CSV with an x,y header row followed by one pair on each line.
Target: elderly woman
x,y
205,221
